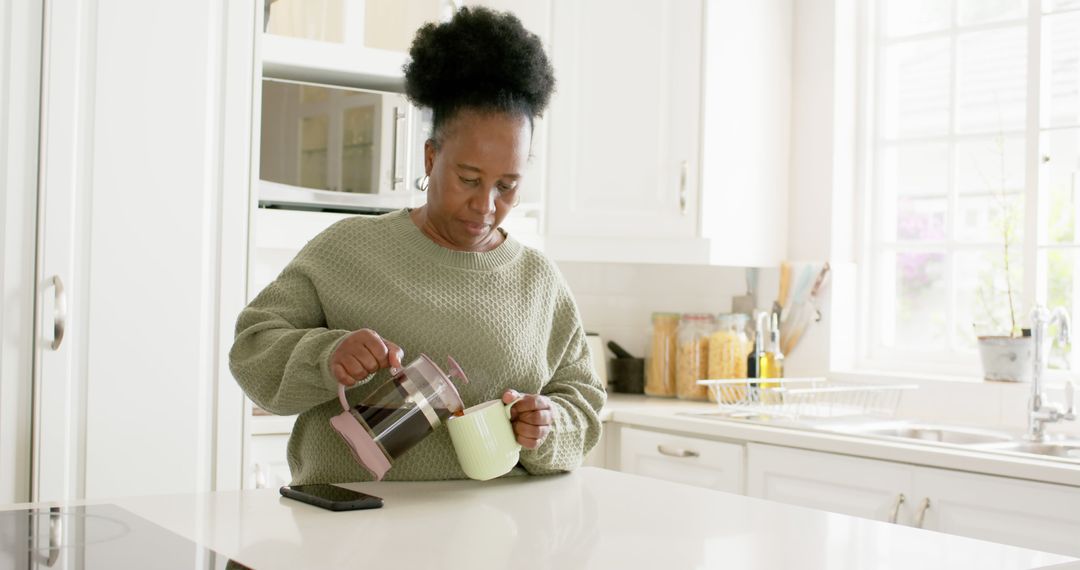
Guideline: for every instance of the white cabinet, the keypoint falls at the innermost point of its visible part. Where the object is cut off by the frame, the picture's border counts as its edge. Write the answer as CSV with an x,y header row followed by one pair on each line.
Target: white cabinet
x,y
683,459
1024,513
669,131
1035,515
624,125
20,34
144,194
270,467
352,43
835,483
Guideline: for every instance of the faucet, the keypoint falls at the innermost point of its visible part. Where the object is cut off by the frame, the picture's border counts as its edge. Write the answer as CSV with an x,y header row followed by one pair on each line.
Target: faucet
x,y
1039,412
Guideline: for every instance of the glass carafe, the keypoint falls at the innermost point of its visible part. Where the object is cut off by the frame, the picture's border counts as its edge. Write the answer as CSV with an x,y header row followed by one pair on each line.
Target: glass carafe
x,y
399,413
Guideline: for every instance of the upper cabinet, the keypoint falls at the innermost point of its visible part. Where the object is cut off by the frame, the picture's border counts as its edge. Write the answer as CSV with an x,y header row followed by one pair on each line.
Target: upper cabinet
x,y
348,43
669,131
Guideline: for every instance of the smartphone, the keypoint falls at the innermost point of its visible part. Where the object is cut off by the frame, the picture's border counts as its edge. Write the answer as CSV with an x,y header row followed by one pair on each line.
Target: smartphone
x,y
331,497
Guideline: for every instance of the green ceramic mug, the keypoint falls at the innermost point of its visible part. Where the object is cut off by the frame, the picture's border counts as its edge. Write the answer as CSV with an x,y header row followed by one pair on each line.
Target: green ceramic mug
x,y
484,440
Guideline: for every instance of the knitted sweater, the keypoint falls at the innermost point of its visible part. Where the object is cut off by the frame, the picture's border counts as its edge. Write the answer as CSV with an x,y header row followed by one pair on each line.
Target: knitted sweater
x,y
505,315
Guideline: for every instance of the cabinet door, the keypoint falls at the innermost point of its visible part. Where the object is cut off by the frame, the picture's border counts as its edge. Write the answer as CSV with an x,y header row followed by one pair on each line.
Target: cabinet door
x,y
690,460
624,122
146,144
1041,516
269,465
835,483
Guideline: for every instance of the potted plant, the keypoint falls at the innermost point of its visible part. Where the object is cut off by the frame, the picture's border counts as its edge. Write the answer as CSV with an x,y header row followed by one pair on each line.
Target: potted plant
x,y
1006,351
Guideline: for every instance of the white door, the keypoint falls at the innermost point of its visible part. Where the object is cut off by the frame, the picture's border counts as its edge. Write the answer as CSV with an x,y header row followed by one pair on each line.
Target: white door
x,y
20,74
854,486
144,200
1034,515
625,119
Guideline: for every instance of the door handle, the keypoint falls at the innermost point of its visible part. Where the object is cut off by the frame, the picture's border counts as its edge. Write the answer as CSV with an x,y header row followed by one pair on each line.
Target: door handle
x,y
396,177
896,508
676,451
921,517
683,167
59,311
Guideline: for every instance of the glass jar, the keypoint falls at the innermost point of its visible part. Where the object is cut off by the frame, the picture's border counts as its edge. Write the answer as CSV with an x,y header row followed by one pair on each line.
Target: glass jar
x,y
692,362
729,347
660,366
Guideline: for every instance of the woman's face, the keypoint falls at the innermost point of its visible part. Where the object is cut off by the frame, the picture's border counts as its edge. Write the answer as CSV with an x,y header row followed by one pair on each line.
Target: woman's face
x,y
474,177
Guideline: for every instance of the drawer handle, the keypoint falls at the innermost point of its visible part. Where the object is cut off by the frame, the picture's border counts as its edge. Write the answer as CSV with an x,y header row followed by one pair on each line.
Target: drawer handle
x,y
896,508
676,451
925,506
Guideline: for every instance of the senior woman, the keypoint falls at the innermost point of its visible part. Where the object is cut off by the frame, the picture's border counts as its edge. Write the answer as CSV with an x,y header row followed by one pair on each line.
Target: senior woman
x,y
442,279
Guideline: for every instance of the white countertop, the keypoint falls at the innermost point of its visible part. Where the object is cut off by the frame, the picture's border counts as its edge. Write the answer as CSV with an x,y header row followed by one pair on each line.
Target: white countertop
x,y
683,416
592,518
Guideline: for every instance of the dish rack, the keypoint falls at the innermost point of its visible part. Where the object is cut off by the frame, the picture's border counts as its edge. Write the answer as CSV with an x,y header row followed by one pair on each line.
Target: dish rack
x,y
805,398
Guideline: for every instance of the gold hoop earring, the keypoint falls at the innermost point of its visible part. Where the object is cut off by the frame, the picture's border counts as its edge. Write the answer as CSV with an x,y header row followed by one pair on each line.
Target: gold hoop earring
x,y
423,183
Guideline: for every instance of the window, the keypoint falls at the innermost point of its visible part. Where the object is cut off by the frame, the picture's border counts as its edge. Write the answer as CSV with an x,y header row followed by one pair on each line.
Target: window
x,y
973,174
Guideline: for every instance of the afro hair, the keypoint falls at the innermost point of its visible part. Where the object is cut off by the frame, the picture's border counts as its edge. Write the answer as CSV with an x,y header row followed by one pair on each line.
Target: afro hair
x,y
481,59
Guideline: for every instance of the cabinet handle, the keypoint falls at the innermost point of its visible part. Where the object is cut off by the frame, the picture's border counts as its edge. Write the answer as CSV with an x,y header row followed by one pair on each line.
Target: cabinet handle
x,y
923,507
396,176
676,451
56,535
683,167
59,312
896,508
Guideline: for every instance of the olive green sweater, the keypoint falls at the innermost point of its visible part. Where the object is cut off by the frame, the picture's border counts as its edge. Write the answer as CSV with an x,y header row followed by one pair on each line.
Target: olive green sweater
x,y
506,316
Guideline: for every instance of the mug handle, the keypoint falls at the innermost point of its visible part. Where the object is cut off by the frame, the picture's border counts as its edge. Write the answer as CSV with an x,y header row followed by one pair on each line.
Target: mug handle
x,y
506,407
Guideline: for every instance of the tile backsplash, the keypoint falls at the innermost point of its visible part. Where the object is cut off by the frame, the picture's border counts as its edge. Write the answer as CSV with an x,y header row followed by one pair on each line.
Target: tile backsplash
x,y
616,300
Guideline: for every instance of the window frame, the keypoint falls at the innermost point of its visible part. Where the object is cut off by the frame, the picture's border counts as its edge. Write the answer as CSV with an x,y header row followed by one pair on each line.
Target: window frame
x,y
871,352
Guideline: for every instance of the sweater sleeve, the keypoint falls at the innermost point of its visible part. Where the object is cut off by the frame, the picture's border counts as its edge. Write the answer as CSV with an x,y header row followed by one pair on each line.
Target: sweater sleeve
x,y
577,395
281,353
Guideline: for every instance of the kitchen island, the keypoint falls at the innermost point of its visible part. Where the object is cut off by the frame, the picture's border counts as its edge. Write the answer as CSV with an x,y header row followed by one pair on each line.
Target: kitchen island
x,y
591,518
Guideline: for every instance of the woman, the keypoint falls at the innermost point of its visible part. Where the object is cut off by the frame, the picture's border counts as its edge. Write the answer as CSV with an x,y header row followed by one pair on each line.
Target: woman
x,y
442,279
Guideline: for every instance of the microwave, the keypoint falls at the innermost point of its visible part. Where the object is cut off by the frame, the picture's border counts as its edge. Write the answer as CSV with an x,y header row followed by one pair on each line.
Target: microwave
x,y
339,149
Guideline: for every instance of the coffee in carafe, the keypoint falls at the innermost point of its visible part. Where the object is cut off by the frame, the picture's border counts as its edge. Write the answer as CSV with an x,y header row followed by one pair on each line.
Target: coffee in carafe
x,y
399,413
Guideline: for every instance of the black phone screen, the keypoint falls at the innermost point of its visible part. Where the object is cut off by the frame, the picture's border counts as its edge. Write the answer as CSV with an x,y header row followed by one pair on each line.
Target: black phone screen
x,y
332,497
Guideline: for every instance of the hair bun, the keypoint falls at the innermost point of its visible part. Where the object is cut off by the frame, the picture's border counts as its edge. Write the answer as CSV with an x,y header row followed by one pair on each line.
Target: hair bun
x,y
480,58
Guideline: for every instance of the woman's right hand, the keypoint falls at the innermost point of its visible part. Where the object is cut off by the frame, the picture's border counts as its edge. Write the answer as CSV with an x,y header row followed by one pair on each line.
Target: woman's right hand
x,y
363,353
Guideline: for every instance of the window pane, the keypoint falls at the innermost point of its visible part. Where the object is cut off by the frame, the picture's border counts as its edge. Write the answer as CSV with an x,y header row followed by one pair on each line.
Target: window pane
x,y
915,169
1060,266
991,219
991,76
1060,180
980,11
1061,44
916,89
904,17
914,300
916,219
982,294
990,165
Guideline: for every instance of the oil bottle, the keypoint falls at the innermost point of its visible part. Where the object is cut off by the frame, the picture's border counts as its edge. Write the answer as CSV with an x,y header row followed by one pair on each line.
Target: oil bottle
x,y
771,361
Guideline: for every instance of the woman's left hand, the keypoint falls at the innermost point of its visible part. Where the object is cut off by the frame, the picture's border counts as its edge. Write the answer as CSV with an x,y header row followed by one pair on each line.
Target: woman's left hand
x,y
530,417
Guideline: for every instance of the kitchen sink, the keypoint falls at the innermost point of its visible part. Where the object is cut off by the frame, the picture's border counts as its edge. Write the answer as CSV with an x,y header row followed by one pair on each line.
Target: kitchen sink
x,y
957,435
1068,449
968,437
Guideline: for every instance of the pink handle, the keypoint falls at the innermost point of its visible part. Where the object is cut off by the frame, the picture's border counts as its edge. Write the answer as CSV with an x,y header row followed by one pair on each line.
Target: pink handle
x,y
455,369
341,397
